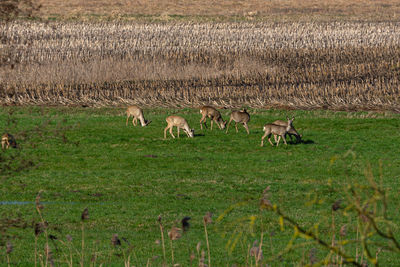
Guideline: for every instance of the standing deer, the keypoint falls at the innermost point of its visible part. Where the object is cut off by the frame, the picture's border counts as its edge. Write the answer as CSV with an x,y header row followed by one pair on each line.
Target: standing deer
x,y
241,117
180,123
8,140
214,115
136,113
279,130
291,132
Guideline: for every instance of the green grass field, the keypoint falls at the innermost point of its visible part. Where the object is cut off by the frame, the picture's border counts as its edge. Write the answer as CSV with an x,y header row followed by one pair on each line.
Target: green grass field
x,y
127,176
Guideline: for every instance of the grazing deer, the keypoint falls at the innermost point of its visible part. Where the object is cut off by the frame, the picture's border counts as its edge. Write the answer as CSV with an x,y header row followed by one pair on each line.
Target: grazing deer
x,y
214,115
279,130
180,123
8,140
291,132
136,113
241,117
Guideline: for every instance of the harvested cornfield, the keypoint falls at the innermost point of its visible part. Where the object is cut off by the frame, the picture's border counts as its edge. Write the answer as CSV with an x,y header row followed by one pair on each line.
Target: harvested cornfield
x,y
341,65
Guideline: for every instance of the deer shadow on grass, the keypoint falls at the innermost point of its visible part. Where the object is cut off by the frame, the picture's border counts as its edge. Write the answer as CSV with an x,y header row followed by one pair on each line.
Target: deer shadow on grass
x,y
298,141
302,141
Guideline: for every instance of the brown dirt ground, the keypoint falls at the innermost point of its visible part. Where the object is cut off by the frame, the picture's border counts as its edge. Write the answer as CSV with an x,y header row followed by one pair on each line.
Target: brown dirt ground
x,y
223,9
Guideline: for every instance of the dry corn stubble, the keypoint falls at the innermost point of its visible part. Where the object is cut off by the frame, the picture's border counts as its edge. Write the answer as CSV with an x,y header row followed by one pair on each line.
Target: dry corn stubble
x,y
341,65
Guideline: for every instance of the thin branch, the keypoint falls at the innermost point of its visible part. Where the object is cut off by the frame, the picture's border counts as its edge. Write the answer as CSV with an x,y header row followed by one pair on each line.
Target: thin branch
x,y
347,259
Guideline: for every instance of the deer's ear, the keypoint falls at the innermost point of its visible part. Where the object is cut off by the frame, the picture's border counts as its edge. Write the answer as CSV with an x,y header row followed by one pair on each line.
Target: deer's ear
x,y
293,119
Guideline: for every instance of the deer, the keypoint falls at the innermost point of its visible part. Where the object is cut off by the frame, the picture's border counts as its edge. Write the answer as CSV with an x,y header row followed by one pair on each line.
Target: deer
x,y
291,132
214,115
239,117
180,123
279,130
8,140
136,113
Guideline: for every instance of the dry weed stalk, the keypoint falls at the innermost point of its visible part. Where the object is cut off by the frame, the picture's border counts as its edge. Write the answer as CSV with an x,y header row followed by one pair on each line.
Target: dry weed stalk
x,y
198,246
162,239
68,258
84,217
256,252
342,234
207,220
9,249
335,207
174,234
44,225
202,259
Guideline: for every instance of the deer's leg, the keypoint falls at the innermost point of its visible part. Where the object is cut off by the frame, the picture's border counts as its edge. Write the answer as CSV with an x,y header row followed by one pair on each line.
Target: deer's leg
x,y
279,139
170,131
219,126
127,119
269,139
275,138
134,121
165,132
203,120
262,139
142,121
212,122
236,126
246,127
284,139
229,123
178,130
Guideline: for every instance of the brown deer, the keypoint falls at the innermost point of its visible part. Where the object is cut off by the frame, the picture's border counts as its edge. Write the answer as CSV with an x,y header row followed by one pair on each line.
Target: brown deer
x,y
279,130
8,140
291,132
239,117
214,115
136,113
180,123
